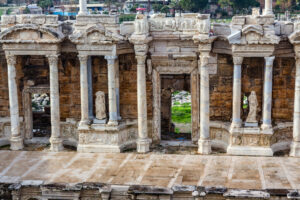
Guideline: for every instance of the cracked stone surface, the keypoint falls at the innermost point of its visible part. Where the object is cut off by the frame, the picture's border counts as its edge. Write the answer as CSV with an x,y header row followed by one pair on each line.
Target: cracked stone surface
x,y
255,173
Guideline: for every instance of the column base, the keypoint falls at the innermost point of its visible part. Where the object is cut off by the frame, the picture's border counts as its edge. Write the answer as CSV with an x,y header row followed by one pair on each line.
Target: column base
x,y
266,126
16,143
84,125
235,125
112,123
143,145
56,144
204,146
295,149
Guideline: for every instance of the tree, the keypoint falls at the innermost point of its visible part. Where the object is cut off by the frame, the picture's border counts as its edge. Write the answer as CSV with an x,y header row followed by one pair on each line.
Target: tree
x,y
175,5
225,3
238,5
157,7
165,9
44,4
193,5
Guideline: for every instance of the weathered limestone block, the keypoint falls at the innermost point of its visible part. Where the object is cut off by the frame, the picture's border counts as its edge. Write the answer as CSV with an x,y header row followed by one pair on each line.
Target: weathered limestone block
x,y
100,105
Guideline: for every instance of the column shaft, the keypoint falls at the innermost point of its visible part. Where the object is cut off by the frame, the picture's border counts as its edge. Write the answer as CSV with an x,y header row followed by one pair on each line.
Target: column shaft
x,y
55,140
295,146
268,7
267,103
236,89
117,71
112,99
204,143
16,141
143,143
82,7
84,92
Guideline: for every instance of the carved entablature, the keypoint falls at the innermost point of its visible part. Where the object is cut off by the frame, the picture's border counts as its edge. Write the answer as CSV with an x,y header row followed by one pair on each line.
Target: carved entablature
x,y
253,50
179,27
30,34
96,35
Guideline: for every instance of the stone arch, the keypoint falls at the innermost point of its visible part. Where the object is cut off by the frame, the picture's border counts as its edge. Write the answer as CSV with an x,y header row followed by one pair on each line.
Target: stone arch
x,y
30,33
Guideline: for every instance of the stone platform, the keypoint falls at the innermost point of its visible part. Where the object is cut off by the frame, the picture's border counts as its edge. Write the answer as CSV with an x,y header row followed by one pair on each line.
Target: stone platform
x,y
165,174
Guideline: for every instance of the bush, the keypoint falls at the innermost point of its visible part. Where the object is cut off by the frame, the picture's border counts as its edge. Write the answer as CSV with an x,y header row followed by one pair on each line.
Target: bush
x,y
126,17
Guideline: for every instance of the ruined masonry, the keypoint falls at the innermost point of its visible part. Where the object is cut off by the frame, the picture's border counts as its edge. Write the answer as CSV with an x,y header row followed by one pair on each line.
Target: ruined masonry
x,y
122,68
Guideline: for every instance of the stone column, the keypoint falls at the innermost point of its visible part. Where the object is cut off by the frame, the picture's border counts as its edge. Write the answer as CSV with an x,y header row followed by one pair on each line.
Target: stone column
x,y
84,92
268,7
204,143
82,7
112,99
143,142
295,146
117,71
236,90
55,139
16,140
267,101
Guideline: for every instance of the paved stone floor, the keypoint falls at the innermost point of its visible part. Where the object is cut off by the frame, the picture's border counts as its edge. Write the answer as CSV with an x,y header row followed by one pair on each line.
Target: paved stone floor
x,y
151,169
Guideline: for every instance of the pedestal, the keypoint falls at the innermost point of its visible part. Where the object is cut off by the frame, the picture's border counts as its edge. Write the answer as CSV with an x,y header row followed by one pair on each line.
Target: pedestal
x,y
143,145
295,149
16,143
204,147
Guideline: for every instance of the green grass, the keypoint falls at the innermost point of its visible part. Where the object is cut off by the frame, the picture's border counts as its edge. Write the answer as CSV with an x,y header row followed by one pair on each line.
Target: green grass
x,y
182,113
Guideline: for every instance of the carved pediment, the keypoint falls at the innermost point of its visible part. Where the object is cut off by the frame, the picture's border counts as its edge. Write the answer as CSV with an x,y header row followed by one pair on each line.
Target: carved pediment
x,y
295,37
253,34
96,35
30,34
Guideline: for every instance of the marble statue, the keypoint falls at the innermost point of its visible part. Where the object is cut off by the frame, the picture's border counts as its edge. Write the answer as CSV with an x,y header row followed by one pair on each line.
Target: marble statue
x,y
100,105
253,104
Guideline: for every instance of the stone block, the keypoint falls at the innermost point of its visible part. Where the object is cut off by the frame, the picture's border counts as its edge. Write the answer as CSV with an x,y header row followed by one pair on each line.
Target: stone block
x,y
38,19
8,19
127,28
238,20
51,19
287,28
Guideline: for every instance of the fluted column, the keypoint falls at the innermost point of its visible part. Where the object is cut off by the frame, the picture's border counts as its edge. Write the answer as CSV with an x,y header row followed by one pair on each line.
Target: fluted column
x,y
295,146
268,7
236,89
204,143
82,7
16,140
267,100
55,139
84,92
143,142
112,98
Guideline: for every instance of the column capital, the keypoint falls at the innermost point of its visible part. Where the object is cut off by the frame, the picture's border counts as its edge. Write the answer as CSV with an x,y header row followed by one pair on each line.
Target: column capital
x,y
269,60
238,60
83,58
11,59
111,59
52,59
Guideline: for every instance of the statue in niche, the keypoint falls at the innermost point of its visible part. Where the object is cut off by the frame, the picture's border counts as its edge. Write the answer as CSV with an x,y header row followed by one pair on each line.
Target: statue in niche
x,y
253,104
100,105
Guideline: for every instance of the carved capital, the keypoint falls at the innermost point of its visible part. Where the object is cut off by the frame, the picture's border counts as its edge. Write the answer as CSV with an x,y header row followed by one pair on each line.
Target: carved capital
x,y
52,59
11,60
269,60
83,58
111,59
238,60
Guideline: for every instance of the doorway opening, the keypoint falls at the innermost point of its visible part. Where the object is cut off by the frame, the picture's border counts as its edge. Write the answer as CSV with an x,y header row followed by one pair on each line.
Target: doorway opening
x,y
41,116
176,108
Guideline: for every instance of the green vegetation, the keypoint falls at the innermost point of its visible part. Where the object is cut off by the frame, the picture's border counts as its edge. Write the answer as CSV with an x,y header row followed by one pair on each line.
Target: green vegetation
x,y
126,17
181,113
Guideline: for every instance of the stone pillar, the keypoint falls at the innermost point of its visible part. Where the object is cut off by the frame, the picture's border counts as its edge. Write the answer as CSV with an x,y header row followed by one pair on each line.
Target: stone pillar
x,y
84,92
16,140
90,87
204,143
55,139
82,7
268,7
236,90
295,146
143,142
267,100
112,99
117,71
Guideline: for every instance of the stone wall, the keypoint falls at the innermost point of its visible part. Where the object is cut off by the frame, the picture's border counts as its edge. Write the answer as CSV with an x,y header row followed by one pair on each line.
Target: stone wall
x,y
221,90
4,101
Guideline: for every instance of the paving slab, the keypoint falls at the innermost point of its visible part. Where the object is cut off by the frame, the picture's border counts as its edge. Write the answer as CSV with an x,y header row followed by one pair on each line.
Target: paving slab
x,y
234,172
